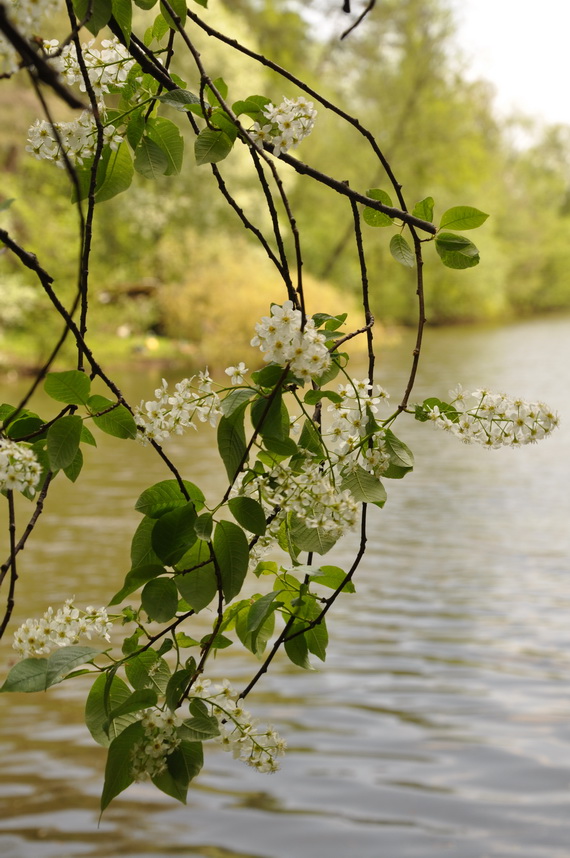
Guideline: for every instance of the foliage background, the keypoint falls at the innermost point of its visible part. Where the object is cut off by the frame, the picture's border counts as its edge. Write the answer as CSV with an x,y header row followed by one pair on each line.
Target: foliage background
x,y
160,269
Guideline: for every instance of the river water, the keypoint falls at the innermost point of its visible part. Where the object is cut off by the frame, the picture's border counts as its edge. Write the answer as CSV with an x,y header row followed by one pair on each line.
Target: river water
x,y
439,724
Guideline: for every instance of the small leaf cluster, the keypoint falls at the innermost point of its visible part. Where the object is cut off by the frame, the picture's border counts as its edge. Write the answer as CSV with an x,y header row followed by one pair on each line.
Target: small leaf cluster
x,y
455,251
57,442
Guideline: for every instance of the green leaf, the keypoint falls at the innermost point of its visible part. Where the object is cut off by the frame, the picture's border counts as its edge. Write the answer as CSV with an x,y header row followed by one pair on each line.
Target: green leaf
x,y
25,425
255,640
159,599
270,417
456,251
5,204
177,686
400,453
310,538
261,609
148,670
364,487
203,526
250,108
401,251
313,396
65,659
249,513
116,173
118,422
142,553
270,375
166,135
72,471
462,217
297,648
220,119
332,576
179,9
123,13
150,161
333,323
222,87
63,439
201,727
71,387
424,209
373,217
39,674
317,639
182,765
146,4
166,496
87,436
212,146
143,698
231,442
216,641
183,640
283,447
28,675
198,586
174,534
422,411
101,12
232,555
234,399
135,578
310,439
179,99
107,693
118,771
158,30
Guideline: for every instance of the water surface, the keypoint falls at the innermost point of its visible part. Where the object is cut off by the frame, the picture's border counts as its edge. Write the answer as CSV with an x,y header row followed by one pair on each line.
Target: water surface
x,y
439,725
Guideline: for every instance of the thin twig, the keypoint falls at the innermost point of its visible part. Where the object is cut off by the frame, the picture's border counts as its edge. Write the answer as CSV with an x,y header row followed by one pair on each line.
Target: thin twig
x,y
13,573
361,17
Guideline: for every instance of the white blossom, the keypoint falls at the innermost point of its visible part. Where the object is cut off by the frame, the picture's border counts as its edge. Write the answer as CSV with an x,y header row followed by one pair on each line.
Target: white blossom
x,y
20,470
78,139
494,419
289,123
255,744
63,627
27,16
174,412
237,373
282,341
159,740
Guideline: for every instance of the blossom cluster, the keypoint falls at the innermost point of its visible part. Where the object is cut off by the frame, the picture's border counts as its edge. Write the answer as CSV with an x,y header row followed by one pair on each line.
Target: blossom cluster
x,y
159,740
173,413
494,419
310,494
359,402
288,124
253,743
283,340
107,67
27,17
63,627
78,139
19,468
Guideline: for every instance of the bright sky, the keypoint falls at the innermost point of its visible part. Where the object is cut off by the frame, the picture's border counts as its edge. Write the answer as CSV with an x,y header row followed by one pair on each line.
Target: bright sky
x,y
523,48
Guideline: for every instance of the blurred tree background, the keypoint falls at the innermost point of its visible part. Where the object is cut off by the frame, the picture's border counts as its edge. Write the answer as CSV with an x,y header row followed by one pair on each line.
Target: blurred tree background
x,y
189,258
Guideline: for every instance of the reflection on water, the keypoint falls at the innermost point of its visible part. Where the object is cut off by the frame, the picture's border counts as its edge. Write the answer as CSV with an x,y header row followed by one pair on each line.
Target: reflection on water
x,y
438,726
